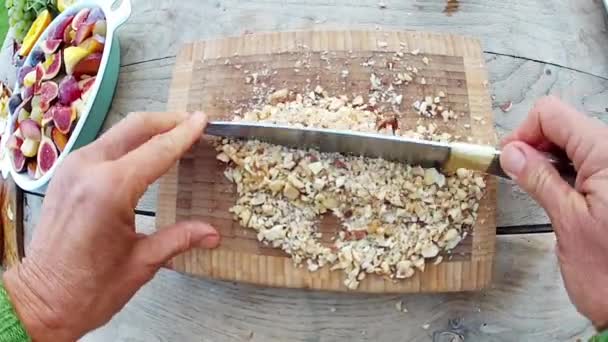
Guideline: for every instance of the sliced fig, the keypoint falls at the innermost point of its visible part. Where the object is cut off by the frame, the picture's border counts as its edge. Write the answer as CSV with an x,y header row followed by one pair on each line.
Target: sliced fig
x,y
83,32
47,117
59,139
58,32
86,83
32,166
62,118
100,28
50,46
30,130
37,78
68,91
29,148
80,18
95,15
14,102
47,155
23,71
14,142
52,66
88,66
18,161
49,91
93,44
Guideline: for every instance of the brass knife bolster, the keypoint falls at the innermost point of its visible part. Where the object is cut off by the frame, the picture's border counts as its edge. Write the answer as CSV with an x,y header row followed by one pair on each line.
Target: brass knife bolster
x,y
474,157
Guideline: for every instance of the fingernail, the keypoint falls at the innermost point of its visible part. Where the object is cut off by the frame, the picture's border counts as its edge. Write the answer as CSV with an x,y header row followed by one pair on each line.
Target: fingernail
x,y
513,160
209,241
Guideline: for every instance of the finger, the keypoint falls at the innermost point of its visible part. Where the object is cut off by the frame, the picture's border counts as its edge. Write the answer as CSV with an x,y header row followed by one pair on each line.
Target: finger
x,y
134,130
159,248
553,122
531,170
154,158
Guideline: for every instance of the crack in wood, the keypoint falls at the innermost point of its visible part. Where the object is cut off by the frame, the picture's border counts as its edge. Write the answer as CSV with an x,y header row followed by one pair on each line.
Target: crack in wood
x,y
546,63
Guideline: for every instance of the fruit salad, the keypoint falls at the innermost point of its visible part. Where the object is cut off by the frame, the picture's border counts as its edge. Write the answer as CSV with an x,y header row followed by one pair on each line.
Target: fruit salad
x,y
53,88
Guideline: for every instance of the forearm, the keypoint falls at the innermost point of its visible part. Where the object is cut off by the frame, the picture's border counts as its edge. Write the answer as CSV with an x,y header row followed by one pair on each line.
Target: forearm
x,y
27,302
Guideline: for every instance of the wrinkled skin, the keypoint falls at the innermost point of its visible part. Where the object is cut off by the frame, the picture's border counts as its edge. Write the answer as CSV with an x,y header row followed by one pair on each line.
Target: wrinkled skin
x,y
86,260
579,214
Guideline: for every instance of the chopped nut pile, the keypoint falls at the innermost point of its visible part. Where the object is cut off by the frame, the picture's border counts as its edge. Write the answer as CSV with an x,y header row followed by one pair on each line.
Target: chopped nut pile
x,y
393,216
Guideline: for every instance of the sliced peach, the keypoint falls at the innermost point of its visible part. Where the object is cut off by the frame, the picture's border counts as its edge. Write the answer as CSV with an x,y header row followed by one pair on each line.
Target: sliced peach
x,y
71,56
59,139
88,66
83,32
93,44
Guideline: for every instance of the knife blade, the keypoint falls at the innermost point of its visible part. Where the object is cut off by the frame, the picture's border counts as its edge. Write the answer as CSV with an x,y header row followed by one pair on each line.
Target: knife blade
x,y
447,157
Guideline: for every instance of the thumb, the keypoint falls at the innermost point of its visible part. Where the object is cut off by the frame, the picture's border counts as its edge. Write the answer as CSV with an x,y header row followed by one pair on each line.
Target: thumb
x,y
531,170
160,247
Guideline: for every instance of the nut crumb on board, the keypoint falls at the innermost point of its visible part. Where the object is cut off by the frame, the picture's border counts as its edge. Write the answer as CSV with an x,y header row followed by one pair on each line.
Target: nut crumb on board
x,y
393,218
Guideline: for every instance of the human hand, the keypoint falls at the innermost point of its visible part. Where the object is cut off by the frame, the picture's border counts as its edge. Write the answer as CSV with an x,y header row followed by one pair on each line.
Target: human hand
x,y
579,214
85,260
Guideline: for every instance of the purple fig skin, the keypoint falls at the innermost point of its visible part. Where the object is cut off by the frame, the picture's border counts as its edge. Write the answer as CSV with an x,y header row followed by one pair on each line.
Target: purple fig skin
x,y
68,91
24,70
47,155
57,33
30,129
95,15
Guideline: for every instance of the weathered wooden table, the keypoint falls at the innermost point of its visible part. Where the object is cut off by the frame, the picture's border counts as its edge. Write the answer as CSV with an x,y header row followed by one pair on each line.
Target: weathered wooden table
x,y
532,47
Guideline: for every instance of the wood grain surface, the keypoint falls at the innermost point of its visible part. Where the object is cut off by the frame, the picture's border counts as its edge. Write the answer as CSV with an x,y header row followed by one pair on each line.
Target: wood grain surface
x,y
197,189
532,48
11,213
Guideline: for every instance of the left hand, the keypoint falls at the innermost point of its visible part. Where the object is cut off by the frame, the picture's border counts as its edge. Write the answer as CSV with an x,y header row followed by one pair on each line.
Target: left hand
x,y
85,260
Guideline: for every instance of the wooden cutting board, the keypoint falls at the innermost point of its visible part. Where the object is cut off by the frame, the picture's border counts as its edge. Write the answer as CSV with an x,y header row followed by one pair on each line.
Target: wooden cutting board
x,y
210,76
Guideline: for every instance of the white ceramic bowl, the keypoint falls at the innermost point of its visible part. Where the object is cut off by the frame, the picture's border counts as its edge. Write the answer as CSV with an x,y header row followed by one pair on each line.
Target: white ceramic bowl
x,y
99,100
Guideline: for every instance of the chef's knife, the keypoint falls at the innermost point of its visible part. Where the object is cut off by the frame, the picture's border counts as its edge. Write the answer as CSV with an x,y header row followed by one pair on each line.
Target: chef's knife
x,y
444,156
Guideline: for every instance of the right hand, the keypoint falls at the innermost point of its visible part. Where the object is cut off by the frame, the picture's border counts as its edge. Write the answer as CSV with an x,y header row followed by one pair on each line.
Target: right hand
x,y
579,214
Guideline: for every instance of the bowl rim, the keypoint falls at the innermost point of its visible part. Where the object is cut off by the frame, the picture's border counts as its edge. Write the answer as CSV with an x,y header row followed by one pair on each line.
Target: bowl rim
x,y
23,179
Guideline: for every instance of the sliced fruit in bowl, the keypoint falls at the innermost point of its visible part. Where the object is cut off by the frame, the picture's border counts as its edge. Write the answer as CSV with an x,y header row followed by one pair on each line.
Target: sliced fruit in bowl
x,y
64,89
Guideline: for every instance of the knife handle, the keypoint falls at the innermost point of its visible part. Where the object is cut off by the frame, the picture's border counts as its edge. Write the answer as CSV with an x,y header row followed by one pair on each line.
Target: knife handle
x,y
487,159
